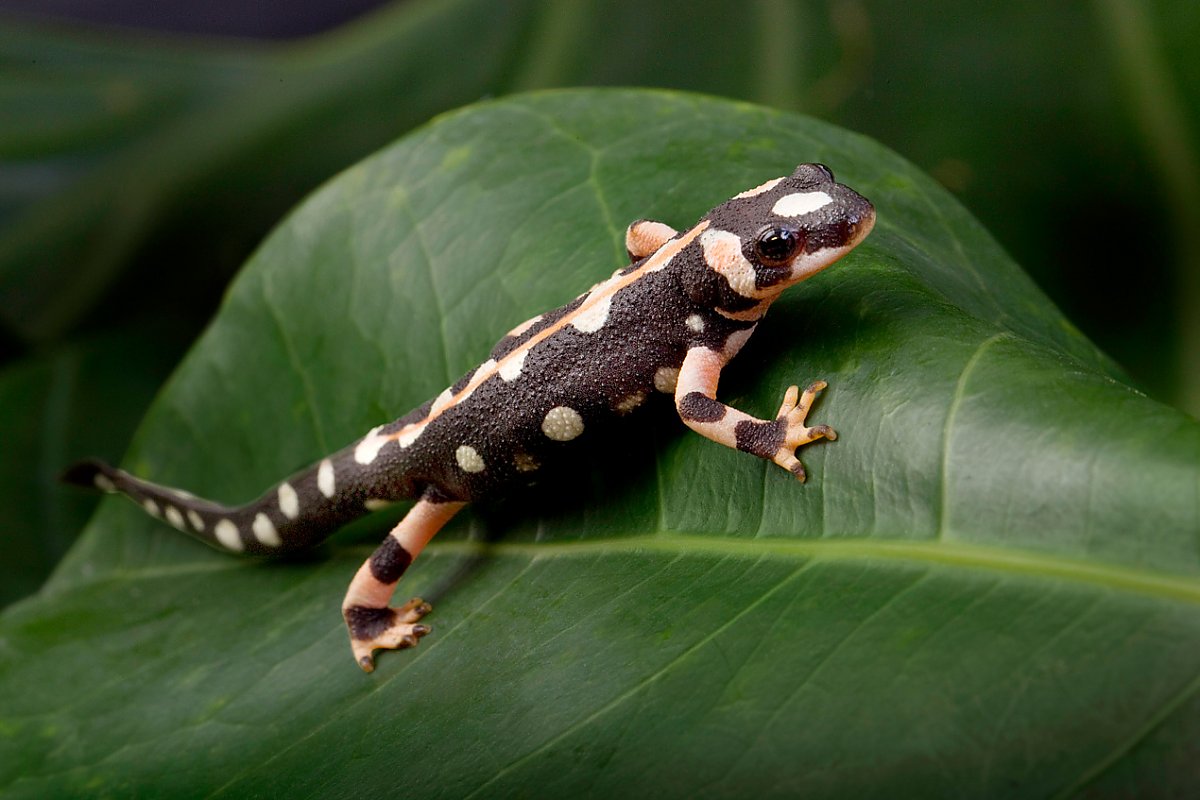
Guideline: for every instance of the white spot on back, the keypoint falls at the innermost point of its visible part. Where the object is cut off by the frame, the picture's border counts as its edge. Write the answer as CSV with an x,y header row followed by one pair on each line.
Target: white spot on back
x,y
510,370
468,459
695,323
666,378
325,479
757,190
562,424
196,520
375,503
411,435
150,506
442,401
227,534
104,483
798,203
592,318
174,517
289,502
370,445
264,530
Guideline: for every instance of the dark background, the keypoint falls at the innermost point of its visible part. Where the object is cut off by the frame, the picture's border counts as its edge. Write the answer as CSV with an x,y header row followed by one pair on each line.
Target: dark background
x,y
145,149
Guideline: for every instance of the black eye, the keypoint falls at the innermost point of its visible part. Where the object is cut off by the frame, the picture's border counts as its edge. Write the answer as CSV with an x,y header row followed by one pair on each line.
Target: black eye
x,y
776,246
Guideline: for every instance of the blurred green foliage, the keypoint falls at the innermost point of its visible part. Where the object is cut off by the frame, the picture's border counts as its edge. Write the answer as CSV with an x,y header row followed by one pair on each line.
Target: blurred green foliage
x,y
138,172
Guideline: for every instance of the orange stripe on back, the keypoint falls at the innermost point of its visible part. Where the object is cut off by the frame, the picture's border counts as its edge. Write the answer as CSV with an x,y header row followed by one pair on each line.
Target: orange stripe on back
x,y
655,262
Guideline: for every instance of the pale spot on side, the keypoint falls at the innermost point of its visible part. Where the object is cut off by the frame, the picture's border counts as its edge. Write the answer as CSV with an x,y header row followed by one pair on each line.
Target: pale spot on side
x,y
468,459
593,317
196,520
368,449
174,517
799,203
325,478
150,506
104,483
510,370
630,402
227,534
665,379
562,424
525,462
376,503
289,501
264,530
757,190
695,323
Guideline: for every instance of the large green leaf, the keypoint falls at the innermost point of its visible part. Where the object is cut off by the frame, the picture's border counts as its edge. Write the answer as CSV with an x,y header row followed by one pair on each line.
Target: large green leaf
x,y
988,587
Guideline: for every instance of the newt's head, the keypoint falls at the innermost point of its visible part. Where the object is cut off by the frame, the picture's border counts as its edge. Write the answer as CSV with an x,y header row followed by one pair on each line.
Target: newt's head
x,y
774,235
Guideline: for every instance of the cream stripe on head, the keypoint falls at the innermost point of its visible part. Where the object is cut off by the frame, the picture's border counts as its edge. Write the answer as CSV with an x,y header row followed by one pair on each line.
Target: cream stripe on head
x,y
723,254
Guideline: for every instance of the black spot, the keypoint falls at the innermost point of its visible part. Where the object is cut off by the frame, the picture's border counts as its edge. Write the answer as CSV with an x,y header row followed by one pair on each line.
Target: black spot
x,y
763,439
367,623
389,561
697,407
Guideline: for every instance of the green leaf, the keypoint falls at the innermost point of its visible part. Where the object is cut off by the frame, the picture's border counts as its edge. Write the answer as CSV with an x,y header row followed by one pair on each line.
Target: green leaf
x,y
988,587
83,399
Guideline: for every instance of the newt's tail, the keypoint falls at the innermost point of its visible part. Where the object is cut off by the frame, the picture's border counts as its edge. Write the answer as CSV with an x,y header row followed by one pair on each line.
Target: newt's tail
x,y
298,513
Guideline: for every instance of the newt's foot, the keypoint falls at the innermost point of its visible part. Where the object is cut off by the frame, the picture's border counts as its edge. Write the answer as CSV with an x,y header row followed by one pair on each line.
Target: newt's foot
x,y
374,629
794,413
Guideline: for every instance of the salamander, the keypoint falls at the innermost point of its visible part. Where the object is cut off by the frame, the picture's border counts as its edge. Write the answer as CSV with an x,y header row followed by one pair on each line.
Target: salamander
x,y
667,323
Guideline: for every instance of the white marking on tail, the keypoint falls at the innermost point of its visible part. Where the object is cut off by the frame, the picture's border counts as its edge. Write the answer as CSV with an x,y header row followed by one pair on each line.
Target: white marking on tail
x,y
289,501
175,518
196,521
264,531
227,534
325,481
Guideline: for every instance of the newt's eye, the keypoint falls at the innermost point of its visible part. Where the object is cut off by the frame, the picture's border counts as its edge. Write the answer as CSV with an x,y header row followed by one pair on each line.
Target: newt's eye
x,y
776,246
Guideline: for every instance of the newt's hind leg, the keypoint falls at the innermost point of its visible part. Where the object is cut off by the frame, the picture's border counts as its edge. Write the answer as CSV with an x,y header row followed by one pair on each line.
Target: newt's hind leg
x,y
373,624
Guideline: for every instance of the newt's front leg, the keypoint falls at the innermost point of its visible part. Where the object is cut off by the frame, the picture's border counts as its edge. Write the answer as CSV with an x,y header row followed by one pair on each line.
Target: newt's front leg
x,y
373,624
775,440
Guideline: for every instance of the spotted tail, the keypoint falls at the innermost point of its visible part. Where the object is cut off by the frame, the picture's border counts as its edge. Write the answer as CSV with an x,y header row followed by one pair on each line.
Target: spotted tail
x,y
298,513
